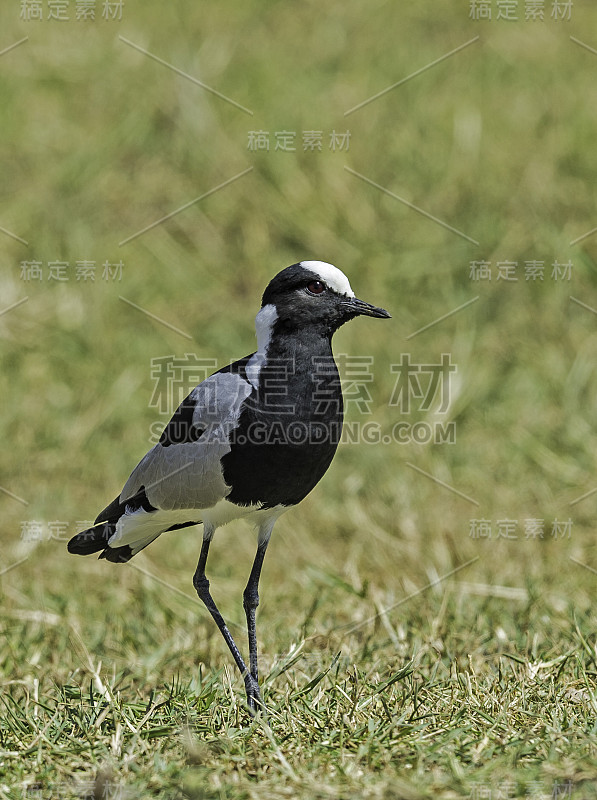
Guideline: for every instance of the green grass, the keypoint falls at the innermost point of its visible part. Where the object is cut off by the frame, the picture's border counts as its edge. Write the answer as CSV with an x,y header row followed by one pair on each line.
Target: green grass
x,y
480,679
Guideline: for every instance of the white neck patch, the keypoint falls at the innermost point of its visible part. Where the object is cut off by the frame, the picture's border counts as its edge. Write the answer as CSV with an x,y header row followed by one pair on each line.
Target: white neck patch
x,y
330,275
264,322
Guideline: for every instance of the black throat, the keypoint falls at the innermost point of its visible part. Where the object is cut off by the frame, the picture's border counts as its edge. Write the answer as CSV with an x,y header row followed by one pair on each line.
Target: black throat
x,y
300,373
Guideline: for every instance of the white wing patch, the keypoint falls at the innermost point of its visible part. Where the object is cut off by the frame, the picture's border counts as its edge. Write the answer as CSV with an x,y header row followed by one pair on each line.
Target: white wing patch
x,y
330,275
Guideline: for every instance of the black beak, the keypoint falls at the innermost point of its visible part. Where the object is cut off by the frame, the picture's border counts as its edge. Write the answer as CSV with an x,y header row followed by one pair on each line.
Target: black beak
x,y
356,307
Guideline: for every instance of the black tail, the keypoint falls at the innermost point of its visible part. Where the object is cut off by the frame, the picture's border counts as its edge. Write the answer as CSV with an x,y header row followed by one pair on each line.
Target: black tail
x,y
96,537
92,539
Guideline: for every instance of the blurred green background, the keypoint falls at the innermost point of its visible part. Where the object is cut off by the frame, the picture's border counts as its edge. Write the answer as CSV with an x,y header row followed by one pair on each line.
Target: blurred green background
x,y
98,141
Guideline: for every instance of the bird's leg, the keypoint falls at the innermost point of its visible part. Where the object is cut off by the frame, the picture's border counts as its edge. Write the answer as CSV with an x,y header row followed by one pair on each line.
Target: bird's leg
x,y
201,584
250,603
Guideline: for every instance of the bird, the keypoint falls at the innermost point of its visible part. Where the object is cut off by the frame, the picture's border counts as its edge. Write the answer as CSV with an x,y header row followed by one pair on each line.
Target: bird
x,y
250,441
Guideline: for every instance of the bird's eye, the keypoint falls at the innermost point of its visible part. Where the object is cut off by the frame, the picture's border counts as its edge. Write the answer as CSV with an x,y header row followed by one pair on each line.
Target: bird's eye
x,y
316,287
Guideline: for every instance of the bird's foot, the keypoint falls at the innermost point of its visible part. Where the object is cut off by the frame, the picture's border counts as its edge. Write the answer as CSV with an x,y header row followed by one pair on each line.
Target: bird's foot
x,y
254,700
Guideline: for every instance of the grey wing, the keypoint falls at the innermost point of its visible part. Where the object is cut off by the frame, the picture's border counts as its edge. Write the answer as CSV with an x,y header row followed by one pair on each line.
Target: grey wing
x,y
184,470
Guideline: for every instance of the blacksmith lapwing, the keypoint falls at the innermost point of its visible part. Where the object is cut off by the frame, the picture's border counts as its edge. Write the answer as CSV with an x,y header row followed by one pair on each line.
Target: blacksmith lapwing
x,y
250,441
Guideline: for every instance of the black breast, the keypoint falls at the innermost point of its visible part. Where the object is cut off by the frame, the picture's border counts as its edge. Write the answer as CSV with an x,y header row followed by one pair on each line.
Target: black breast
x,y
289,427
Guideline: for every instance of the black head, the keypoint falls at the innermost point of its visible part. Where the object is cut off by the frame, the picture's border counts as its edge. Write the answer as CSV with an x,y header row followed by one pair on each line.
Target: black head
x,y
315,294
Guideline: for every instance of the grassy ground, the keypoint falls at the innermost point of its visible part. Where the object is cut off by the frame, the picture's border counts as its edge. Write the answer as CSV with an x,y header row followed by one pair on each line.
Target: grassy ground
x,y
402,656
